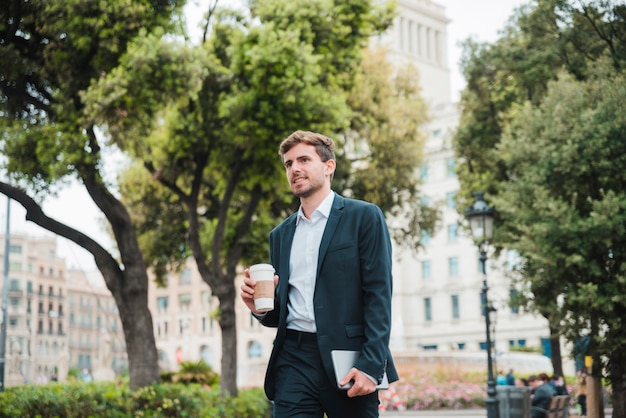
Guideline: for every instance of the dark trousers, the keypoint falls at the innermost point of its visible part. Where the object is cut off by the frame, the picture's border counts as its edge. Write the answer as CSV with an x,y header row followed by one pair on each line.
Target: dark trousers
x,y
582,401
303,389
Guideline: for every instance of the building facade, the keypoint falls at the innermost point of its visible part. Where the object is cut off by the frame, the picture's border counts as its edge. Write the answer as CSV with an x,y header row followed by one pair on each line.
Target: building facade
x,y
54,316
96,337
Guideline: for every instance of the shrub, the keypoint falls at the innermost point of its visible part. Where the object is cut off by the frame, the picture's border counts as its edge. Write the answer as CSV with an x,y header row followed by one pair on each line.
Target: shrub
x,y
195,372
118,401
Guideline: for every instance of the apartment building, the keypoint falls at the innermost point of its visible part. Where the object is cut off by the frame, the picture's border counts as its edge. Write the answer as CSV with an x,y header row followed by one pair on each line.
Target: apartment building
x,y
96,337
55,317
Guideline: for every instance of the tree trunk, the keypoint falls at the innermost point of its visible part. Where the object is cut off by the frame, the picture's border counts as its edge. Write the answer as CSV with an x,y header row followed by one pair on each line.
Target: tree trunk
x,y
229,342
129,286
617,373
555,348
132,303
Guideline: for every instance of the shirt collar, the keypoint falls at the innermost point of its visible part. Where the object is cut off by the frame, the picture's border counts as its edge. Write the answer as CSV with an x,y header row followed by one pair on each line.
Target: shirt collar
x,y
323,208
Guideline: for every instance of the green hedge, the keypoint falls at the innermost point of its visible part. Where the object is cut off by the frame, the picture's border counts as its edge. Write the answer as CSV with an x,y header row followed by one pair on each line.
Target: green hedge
x,y
118,401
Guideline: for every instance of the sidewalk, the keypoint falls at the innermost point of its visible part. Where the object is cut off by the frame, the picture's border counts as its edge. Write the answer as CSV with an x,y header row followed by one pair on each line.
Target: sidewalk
x,y
435,414
473,413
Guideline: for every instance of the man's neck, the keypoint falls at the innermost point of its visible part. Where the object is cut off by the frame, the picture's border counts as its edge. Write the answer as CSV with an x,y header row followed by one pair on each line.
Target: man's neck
x,y
310,203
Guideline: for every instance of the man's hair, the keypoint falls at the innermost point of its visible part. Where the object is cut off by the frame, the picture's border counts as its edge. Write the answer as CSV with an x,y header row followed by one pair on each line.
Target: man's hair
x,y
533,378
324,146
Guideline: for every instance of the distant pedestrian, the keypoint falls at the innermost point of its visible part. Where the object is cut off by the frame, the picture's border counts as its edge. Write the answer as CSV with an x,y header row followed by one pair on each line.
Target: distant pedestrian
x,y
559,385
581,392
510,378
501,379
86,375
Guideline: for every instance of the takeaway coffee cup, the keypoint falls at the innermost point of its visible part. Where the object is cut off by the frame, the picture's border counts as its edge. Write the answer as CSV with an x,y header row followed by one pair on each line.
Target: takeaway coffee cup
x,y
263,275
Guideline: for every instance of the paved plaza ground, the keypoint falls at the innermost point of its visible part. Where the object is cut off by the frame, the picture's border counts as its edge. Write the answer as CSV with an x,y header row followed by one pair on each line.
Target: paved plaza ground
x,y
468,413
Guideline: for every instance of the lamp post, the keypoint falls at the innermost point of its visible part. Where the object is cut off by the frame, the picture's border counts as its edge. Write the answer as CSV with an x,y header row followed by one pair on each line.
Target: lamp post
x,y
480,217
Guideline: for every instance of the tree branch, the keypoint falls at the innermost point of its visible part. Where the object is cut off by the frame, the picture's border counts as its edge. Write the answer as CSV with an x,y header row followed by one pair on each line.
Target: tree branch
x,y
35,214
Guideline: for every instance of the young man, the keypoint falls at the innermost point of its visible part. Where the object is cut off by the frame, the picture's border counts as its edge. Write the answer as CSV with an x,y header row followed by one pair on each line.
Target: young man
x,y
333,259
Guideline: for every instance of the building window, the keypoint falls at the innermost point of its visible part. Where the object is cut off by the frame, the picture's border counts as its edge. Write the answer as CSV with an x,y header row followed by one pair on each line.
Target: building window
x,y
424,173
185,277
453,266
430,347
428,316
455,307
451,167
512,260
513,303
453,233
184,326
255,350
14,285
517,343
15,249
451,200
207,324
426,273
184,301
483,345
162,329
205,354
162,304
460,346
206,299
424,237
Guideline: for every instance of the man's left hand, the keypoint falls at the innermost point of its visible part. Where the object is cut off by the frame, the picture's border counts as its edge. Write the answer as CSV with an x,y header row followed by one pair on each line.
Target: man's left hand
x,y
362,385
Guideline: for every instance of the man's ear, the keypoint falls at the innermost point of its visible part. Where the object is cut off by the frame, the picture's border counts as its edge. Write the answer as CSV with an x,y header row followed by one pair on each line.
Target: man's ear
x,y
330,167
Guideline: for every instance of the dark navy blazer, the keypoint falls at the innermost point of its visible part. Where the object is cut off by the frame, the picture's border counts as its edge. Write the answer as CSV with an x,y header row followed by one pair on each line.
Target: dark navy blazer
x,y
352,300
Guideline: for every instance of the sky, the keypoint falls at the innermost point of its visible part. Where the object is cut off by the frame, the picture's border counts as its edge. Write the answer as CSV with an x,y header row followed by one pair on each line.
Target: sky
x,y
482,19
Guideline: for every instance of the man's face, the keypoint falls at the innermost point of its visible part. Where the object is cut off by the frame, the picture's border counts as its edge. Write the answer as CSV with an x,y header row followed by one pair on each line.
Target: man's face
x,y
306,172
535,383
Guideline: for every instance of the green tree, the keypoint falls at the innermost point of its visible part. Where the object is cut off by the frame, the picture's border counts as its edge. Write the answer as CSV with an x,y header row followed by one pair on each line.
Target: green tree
x,y
566,158
206,122
51,52
543,40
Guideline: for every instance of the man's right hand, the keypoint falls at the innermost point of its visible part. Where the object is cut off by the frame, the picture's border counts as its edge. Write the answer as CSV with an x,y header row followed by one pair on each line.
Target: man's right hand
x,y
247,291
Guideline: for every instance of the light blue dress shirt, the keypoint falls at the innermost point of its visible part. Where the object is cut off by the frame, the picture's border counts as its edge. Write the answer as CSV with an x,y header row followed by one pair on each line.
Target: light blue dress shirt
x,y
303,266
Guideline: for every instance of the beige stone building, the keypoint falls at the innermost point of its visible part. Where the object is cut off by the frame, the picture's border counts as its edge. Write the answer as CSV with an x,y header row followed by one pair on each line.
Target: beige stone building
x,y
36,333
95,338
56,318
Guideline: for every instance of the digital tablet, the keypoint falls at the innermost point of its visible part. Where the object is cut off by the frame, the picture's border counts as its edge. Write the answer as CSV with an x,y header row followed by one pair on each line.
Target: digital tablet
x,y
343,361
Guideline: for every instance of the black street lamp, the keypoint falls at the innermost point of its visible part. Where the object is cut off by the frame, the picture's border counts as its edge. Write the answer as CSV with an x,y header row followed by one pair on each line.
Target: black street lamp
x,y
480,217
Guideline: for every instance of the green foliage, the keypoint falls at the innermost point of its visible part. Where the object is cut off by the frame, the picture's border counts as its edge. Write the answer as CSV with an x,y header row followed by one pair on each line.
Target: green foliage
x,y
526,349
384,143
196,372
73,373
542,131
567,199
117,401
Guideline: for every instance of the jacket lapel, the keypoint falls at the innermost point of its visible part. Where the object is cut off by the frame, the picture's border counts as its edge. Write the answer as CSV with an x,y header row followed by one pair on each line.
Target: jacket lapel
x,y
331,226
